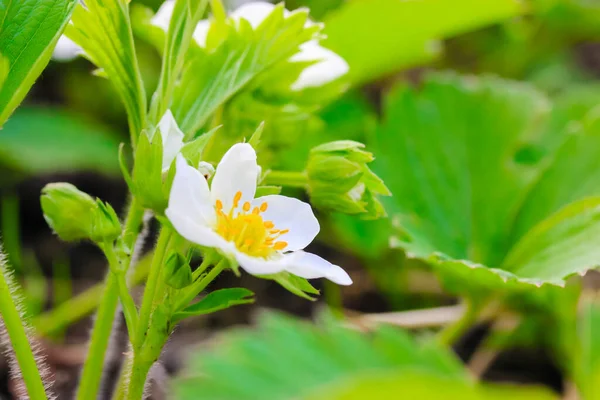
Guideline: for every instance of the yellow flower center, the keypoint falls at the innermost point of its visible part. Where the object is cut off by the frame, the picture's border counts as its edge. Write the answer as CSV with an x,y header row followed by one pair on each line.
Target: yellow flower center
x,y
247,228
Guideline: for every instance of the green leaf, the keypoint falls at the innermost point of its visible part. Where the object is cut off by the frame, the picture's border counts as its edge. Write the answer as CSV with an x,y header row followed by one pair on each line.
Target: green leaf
x,y
103,29
388,35
216,301
41,141
294,284
285,359
471,162
422,385
244,54
29,29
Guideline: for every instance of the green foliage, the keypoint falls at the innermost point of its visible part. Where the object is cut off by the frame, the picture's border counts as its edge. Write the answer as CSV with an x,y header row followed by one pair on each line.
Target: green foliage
x,y
216,301
29,29
285,359
103,29
389,35
242,55
467,161
41,141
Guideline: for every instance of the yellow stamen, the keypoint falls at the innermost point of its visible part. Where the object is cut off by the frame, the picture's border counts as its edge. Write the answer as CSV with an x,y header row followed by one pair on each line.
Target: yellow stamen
x,y
280,245
236,199
256,211
246,206
219,205
269,224
263,207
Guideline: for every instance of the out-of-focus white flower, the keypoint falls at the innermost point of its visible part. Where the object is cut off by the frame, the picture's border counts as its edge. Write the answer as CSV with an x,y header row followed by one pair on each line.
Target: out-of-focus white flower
x,y
265,235
66,49
172,139
327,67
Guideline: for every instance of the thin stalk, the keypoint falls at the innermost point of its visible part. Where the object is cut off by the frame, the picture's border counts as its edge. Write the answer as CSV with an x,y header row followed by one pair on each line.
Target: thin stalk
x,y
94,362
451,333
151,285
11,231
287,178
20,342
137,380
82,305
200,285
93,366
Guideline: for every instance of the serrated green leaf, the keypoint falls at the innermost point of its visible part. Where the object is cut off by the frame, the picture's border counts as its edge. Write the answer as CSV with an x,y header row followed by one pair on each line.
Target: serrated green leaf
x,y
216,301
388,35
102,28
29,29
242,56
466,159
285,359
41,141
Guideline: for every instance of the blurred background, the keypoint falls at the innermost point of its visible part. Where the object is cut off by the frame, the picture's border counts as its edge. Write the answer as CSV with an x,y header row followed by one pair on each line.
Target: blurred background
x,y
71,125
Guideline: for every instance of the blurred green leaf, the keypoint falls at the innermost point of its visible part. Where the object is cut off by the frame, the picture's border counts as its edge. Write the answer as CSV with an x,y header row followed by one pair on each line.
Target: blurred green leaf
x,y
461,156
103,29
29,29
422,385
285,359
216,301
41,141
388,35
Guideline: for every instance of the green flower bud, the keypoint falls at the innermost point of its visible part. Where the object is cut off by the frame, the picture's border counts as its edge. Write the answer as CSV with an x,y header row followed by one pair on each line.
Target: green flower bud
x,y
106,226
178,273
340,180
74,215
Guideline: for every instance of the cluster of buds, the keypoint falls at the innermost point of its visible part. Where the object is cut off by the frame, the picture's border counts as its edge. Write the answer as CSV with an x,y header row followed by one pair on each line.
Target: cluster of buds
x,y
340,180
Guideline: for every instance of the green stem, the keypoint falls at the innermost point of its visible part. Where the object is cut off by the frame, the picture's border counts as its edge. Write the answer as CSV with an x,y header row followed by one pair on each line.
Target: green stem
x,y
451,333
93,366
137,380
151,286
82,305
287,178
200,285
20,342
11,231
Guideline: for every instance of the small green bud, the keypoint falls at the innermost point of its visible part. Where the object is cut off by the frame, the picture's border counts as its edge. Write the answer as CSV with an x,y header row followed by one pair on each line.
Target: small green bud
x,y
178,273
106,226
68,211
340,180
74,215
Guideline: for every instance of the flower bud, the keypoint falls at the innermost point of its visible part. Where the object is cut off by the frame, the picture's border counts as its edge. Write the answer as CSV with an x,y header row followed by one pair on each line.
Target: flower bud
x,y
178,273
148,173
340,180
74,215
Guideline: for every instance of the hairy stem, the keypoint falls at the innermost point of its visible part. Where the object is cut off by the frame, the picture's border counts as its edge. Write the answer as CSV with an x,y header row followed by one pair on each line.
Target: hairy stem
x,y
21,347
287,178
451,333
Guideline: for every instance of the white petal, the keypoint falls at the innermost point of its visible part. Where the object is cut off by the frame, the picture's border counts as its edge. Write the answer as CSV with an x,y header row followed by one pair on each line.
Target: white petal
x,y
329,67
237,171
162,18
195,232
190,196
311,266
293,214
201,32
206,169
258,265
172,139
255,12
66,49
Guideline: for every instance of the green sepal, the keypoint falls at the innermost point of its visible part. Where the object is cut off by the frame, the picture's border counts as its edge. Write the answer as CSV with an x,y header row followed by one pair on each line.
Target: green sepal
x,y
106,226
178,273
294,284
194,151
216,301
255,138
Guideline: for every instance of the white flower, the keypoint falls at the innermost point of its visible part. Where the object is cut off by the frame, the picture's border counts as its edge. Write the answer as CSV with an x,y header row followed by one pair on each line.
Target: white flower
x,y
328,65
172,139
265,235
66,49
